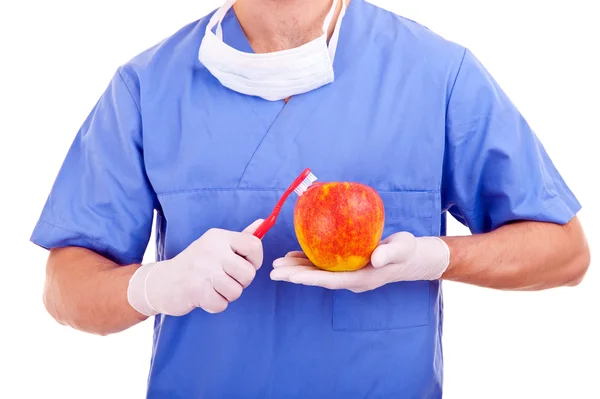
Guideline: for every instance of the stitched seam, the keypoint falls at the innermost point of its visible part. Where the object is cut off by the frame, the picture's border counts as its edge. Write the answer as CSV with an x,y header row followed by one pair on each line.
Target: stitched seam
x,y
79,235
223,189
375,329
267,133
456,79
129,91
103,246
266,125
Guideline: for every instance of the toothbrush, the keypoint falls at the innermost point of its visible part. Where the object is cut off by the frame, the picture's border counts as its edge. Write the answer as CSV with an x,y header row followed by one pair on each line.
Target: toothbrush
x,y
299,186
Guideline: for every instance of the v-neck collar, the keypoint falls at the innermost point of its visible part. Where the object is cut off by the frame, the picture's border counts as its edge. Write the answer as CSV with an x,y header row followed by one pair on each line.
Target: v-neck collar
x,y
281,123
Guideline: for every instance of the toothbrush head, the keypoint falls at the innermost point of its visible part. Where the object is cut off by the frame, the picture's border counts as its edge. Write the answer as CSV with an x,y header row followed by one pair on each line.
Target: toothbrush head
x,y
305,183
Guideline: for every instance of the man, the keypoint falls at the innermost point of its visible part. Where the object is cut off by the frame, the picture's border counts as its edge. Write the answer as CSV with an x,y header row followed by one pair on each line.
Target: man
x,y
207,128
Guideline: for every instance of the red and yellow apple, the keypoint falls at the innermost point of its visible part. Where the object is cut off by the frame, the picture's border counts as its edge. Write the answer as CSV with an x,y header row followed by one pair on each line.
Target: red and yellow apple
x,y
339,224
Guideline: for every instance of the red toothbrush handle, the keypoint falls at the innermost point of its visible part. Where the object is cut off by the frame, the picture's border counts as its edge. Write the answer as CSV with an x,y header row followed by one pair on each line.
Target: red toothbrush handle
x,y
265,226
270,221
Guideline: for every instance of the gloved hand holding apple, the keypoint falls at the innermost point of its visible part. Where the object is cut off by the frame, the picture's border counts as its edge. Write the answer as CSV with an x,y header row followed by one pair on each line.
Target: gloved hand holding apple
x,y
339,226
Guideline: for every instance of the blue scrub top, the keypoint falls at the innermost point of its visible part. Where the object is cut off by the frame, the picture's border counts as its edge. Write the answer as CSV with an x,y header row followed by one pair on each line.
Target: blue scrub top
x,y
411,114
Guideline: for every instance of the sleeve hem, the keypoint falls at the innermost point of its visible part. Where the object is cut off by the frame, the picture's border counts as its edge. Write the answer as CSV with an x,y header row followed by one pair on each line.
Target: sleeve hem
x,y
560,210
45,236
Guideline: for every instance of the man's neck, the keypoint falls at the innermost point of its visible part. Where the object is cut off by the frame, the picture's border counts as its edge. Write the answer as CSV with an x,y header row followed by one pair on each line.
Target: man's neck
x,y
274,25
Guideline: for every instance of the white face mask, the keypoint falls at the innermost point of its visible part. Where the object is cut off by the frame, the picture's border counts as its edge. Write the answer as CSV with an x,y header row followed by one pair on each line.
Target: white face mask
x,y
272,76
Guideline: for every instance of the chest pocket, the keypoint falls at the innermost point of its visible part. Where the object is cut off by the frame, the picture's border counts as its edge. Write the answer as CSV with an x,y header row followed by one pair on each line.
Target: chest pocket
x,y
397,305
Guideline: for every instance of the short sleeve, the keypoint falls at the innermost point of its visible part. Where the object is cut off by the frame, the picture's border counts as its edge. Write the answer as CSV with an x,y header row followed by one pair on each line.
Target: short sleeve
x,y
496,170
101,199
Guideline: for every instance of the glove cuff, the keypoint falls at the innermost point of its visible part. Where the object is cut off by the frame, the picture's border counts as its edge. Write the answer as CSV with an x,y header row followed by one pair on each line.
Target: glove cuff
x,y
433,254
136,291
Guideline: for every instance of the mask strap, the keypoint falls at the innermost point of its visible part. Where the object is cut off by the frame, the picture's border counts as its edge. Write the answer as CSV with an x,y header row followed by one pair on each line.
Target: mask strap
x,y
218,17
329,16
333,42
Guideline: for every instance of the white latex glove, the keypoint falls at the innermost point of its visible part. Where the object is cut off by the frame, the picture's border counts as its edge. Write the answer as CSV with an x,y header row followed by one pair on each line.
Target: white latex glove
x,y
208,274
400,257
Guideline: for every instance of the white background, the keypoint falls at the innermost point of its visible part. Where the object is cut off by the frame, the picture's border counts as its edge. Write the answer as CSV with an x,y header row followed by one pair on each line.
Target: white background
x,y
58,56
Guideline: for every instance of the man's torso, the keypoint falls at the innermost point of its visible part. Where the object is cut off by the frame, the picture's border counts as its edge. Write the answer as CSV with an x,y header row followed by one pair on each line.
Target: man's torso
x,y
216,158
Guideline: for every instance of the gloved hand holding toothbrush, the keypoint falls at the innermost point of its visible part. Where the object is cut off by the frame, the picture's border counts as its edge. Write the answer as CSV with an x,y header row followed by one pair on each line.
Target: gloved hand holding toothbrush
x,y
211,272
208,274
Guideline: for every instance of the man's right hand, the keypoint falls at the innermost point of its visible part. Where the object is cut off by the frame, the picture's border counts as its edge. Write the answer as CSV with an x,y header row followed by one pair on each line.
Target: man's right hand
x,y
209,274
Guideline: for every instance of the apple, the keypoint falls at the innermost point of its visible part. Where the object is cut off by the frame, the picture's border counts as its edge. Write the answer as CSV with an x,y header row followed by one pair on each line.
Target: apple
x,y
339,224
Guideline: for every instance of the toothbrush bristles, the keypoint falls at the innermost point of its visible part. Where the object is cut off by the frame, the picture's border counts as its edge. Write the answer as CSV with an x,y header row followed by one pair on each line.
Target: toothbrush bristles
x,y
302,187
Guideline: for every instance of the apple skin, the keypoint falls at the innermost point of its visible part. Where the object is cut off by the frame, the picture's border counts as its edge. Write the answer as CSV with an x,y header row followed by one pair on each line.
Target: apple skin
x,y
339,224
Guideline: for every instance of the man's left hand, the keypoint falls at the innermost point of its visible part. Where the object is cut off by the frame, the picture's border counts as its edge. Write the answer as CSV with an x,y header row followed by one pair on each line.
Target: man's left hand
x,y
400,257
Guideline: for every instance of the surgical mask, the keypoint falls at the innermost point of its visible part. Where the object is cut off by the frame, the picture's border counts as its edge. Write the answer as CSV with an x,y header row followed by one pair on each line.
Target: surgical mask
x,y
272,76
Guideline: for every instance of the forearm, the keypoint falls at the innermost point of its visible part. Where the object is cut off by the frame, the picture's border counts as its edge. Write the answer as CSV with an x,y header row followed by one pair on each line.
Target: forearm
x,y
89,292
520,256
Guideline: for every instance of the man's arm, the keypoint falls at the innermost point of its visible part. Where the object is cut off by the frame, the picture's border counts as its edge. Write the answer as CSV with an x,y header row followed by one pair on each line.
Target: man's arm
x,y
521,256
101,200
518,256
498,180
89,292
